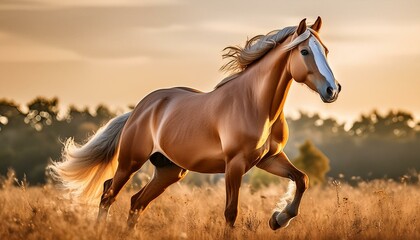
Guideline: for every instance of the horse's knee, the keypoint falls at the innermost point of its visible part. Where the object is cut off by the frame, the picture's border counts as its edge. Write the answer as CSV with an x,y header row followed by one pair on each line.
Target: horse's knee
x,y
305,180
302,181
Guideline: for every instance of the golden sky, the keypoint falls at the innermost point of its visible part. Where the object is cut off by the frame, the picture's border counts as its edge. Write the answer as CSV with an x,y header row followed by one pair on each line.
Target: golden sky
x,y
116,51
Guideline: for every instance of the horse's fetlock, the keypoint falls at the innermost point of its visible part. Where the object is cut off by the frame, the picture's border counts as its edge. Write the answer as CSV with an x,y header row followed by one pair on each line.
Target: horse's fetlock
x,y
230,215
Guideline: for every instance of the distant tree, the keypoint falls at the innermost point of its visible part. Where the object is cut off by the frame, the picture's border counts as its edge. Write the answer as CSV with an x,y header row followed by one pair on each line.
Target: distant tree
x,y
80,124
417,130
42,112
10,114
28,140
401,123
305,121
395,124
330,125
198,179
313,162
103,115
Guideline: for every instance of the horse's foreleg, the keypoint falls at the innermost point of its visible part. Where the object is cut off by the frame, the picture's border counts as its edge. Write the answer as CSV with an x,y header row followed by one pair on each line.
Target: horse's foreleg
x,y
281,166
233,177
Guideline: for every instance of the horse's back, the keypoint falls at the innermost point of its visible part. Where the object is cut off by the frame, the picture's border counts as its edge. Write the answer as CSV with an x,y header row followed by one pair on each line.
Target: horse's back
x,y
160,99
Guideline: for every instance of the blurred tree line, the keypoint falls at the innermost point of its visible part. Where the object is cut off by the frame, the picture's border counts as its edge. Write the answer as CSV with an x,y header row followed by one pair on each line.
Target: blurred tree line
x,y
376,145
29,139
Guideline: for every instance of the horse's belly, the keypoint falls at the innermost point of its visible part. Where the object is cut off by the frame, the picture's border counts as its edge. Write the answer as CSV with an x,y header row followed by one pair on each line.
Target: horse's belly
x,y
195,157
207,165
202,165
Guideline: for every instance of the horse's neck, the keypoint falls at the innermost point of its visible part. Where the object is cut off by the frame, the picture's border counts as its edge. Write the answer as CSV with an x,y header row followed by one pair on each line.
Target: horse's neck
x,y
269,81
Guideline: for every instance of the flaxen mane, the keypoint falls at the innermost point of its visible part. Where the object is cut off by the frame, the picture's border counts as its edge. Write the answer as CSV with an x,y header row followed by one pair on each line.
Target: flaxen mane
x,y
255,48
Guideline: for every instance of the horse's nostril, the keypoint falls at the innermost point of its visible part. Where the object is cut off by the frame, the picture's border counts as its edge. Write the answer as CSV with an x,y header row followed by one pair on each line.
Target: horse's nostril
x,y
339,87
330,91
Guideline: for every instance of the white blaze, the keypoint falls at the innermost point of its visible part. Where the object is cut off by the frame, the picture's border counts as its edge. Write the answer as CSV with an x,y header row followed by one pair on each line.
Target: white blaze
x,y
321,60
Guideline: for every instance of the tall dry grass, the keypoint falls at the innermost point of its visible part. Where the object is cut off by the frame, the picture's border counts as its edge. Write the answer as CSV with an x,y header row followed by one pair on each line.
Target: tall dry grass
x,y
374,210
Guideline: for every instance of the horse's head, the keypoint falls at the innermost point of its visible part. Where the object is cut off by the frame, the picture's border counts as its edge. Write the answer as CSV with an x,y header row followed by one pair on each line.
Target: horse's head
x,y
308,63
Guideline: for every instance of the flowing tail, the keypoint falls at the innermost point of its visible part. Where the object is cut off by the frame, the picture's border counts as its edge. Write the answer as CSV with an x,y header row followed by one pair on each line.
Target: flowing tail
x,y
83,169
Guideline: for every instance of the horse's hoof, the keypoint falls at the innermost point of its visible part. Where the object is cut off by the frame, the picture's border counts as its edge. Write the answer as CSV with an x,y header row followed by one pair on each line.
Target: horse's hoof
x,y
101,219
273,221
132,220
279,220
131,225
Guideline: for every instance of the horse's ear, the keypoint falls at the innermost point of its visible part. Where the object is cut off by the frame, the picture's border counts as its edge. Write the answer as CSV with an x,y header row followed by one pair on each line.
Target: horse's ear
x,y
302,27
317,24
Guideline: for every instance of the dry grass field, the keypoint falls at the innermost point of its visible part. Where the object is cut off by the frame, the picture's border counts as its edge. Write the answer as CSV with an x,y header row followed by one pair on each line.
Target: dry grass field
x,y
373,210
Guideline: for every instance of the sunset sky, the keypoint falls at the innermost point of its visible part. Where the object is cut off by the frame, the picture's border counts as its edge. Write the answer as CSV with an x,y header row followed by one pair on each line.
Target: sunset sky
x,y
116,51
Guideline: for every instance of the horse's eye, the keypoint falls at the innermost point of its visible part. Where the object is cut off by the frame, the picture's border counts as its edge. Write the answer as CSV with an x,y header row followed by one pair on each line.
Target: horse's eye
x,y
304,52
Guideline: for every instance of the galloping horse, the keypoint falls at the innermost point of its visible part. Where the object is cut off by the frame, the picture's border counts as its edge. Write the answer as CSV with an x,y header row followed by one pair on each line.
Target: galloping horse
x,y
238,125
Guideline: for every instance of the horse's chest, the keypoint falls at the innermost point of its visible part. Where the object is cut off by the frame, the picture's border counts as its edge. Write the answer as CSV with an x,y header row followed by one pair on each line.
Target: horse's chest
x,y
270,147
264,135
273,139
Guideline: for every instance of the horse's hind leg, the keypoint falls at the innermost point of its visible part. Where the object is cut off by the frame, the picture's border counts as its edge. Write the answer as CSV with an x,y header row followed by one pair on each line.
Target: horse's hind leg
x,y
165,174
281,166
126,167
103,208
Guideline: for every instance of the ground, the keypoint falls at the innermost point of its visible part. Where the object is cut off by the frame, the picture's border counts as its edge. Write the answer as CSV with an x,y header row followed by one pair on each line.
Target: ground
x,y
381,209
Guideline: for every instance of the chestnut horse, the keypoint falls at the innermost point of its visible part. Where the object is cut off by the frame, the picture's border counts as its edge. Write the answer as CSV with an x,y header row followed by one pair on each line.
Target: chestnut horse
x,y
238,125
